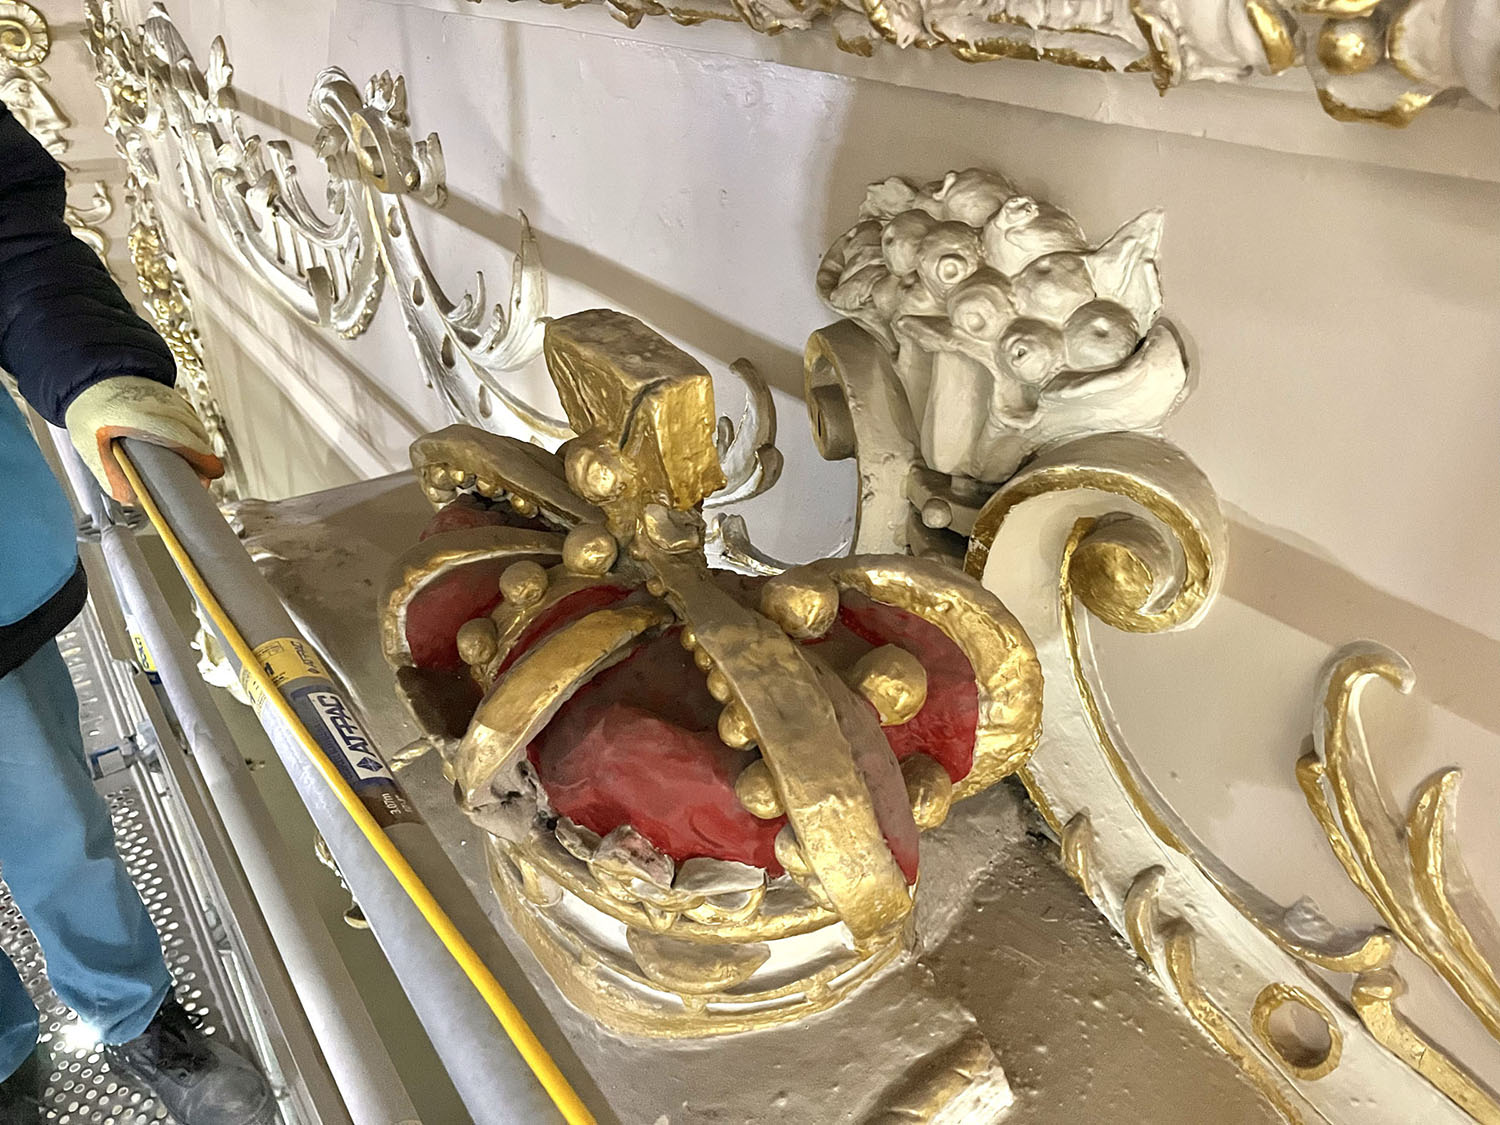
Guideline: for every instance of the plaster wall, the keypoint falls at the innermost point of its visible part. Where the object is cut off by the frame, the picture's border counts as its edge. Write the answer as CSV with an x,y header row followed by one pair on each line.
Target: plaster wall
x,y
1339,287
1342,309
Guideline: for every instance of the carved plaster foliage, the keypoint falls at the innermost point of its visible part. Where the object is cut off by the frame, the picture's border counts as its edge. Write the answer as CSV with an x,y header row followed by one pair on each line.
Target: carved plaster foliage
x,y
1381,61
166,300
1000,382
25,42
331,266
987,329
164,293
87,217
1407,866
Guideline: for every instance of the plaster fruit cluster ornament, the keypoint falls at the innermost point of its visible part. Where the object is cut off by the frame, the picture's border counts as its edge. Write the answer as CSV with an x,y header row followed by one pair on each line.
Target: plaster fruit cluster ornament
x,y
703,791
981,330
1007,329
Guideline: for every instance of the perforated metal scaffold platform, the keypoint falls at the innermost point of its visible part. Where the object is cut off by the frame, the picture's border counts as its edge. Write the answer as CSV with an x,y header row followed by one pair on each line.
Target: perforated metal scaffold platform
x,y
82,1090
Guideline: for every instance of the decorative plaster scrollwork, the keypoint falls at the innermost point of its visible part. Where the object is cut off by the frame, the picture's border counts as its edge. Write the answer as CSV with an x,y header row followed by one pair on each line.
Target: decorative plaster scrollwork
x,y
25,39
25,42
1409,868
1169,946
164,293
23,89
747,448
1097,520
330,269
1380,61
166,300
1132,537
87,217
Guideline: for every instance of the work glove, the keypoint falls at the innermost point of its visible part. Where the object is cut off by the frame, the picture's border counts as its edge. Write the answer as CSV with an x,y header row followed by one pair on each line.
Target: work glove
x,y
135,407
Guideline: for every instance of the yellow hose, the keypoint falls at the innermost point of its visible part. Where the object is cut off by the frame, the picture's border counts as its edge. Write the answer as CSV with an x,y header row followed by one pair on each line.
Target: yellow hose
x,y
569,1104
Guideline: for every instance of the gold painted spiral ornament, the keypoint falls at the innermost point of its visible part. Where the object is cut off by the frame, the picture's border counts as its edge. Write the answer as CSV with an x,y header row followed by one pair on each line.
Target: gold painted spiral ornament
x,y
24,37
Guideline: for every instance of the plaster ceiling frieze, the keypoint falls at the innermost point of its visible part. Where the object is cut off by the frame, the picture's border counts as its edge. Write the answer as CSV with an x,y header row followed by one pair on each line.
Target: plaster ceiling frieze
x,y
1380,61
1001,383
25,42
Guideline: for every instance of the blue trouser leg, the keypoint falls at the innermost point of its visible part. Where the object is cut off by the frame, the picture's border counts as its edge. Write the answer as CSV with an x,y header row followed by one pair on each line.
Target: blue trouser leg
x,y
57,853
18,1020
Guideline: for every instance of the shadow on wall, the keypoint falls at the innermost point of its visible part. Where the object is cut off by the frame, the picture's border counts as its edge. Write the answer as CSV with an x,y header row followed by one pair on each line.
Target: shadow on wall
x,y
246,327
875,144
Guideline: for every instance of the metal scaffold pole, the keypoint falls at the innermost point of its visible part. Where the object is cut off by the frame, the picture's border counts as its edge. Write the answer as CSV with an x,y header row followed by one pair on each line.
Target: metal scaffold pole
x,y
361,1067
442,947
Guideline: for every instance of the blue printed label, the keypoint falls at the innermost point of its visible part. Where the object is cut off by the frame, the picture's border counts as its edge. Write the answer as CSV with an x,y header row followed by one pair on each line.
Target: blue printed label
x,y
331,720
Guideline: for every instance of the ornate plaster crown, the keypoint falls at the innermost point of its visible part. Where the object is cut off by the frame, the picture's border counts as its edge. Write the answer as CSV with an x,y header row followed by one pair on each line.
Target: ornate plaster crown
x,y
702,791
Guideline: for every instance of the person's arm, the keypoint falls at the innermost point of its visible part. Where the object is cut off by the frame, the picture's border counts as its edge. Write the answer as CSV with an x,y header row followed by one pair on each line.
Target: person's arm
x,y
79,353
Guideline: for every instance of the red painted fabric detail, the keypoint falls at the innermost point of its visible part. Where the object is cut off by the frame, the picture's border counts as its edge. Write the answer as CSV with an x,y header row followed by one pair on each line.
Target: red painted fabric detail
x,y
436,612
468,510
638,745
434,615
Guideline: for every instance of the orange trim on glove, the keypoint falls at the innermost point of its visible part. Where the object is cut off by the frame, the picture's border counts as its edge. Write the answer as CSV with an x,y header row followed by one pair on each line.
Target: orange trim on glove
x,y
206,465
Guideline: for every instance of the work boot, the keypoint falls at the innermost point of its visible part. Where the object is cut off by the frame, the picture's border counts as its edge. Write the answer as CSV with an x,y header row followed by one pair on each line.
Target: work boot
x,y
21,1093
200,1082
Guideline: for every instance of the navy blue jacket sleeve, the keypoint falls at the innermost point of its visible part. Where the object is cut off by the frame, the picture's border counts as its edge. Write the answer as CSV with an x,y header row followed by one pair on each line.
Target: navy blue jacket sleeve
x,y
64,324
